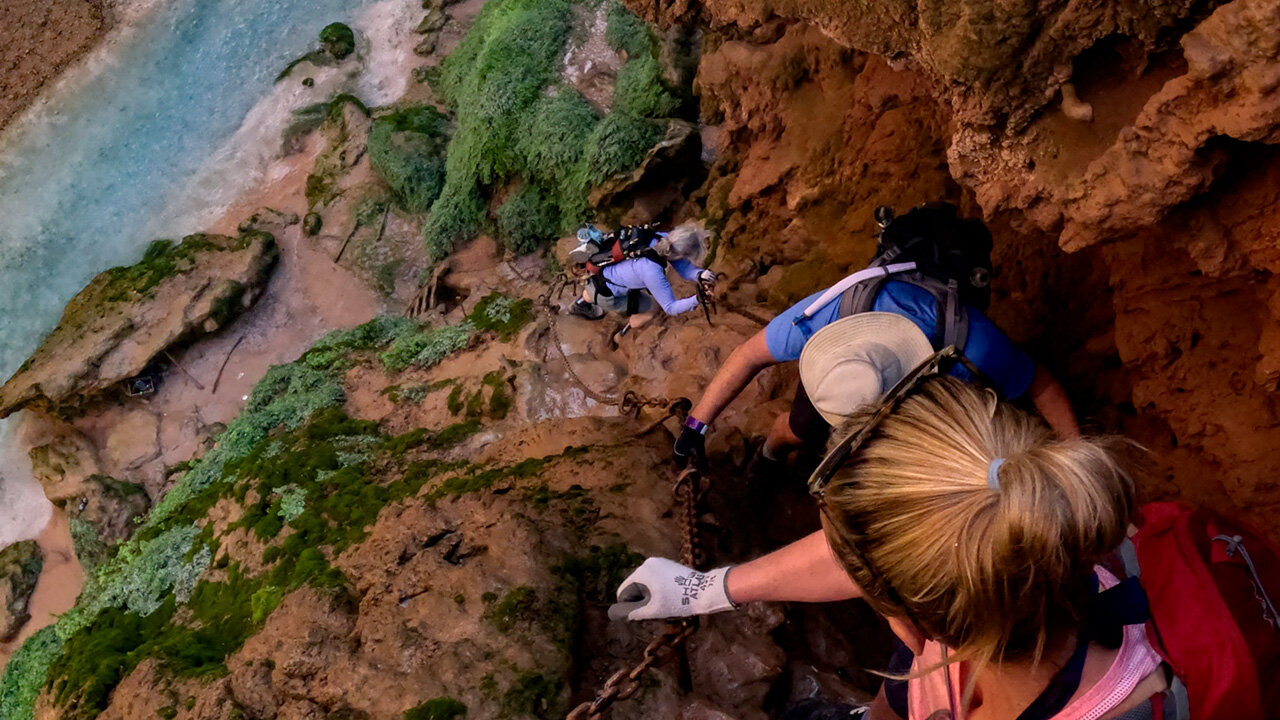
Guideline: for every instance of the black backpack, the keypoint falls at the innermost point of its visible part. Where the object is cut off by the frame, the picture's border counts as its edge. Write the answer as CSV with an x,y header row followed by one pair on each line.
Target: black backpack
x,y
953,262
626,243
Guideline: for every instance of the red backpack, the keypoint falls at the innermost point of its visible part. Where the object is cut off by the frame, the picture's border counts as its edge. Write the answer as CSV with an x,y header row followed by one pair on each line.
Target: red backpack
x,y
1211,588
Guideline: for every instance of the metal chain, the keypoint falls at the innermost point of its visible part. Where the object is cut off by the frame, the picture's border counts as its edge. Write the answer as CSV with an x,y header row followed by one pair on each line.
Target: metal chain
x,y
629,402
711,304
689,488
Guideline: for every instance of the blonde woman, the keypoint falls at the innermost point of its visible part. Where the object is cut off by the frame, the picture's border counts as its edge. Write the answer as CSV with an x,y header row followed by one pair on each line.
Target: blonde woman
x,y
978,535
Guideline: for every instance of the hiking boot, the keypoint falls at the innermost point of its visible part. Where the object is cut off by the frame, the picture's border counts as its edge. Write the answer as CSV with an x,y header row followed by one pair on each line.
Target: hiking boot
x,y
587,310
581,254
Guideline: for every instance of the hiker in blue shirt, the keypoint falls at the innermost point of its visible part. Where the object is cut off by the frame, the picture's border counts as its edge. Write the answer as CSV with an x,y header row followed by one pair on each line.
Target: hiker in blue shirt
x,y
633,285
906,294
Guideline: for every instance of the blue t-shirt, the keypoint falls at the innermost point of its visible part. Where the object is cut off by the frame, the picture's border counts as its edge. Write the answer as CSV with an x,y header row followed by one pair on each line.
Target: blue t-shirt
x,y
987,347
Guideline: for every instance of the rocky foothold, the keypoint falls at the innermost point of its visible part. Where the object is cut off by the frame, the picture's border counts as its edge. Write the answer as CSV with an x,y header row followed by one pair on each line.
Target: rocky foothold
x,y
20,566
311,224
434,20
127,316
268,220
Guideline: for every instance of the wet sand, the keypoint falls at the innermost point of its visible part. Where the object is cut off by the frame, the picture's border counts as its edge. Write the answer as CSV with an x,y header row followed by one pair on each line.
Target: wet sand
x,y
59,583
41,38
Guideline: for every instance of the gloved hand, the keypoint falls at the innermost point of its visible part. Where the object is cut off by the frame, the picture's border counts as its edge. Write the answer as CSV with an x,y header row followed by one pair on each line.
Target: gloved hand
x,y
691,445
706,276
661,588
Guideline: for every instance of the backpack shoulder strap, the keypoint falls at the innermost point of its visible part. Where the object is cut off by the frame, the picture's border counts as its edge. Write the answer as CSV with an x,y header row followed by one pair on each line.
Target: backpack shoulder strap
x,y
953,318
861,297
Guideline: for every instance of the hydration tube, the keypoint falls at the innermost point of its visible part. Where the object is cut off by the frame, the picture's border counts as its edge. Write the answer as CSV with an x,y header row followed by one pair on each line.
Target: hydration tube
x,y
838,289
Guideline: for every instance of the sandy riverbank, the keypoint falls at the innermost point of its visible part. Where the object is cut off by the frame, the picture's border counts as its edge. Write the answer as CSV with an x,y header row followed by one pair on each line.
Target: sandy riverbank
x,y
59,584
41,38
308,296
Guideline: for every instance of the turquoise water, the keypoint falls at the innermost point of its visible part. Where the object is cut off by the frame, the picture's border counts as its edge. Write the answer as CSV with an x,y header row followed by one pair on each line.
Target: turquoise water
x,y
102,170
157,132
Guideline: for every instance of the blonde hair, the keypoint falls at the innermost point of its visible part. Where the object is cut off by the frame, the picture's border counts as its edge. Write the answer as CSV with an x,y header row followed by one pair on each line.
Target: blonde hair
x,y
994,572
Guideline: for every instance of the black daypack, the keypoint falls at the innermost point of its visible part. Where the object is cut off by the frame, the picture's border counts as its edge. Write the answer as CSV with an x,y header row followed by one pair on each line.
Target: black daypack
x,y
626,243
953,262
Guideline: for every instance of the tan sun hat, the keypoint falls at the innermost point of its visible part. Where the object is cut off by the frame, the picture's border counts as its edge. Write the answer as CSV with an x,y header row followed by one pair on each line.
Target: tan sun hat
x,y
854,361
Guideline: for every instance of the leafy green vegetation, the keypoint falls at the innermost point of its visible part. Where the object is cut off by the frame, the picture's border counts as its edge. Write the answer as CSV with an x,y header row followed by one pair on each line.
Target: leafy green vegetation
x,y
502,315
515,120
617,145
90,550
428,347
626,32
527,219
311,481
407,148
640,91
441,708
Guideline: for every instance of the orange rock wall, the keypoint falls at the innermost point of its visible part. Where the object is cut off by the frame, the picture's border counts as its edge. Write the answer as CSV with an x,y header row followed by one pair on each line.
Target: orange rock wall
x,y
1161,322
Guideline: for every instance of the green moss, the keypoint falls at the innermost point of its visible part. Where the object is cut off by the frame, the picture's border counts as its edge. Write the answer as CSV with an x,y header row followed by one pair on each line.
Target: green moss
x,y
499,400
491,81
426,348
619,144
163,259
518,605
90,550
338,40
533,694
640,90
626,32
167,713
407,149
441,708
264,602
527,220
552,144
459,599
502,315
454,403
489,597
453,435
475,404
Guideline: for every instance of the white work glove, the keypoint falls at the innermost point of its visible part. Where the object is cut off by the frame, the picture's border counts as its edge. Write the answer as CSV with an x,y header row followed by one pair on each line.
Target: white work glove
x,y
706,276
661,588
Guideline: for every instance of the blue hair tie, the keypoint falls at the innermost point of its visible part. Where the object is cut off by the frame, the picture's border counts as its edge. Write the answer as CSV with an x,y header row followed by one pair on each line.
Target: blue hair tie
x,y
993,474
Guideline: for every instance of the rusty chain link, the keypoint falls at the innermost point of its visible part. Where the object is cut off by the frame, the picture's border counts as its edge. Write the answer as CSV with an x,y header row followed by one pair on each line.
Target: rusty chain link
x,y
689,489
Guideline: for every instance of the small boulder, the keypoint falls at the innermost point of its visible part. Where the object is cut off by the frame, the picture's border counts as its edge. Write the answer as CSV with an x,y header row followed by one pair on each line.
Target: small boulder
x,y
266,219
110,507
434,20
337,40
126,317
311,224
64,464
427,46
20,566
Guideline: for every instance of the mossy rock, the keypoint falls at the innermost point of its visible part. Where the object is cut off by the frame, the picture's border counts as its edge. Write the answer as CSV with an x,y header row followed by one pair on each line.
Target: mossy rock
x,y
338,40
127,316
312,223
20,566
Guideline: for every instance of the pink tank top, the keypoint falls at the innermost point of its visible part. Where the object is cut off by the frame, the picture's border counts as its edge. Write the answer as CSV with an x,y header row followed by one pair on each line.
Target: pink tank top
x,y
927,697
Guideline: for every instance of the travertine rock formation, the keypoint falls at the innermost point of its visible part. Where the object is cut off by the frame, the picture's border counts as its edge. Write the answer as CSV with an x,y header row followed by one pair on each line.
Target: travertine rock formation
x,y
128,316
